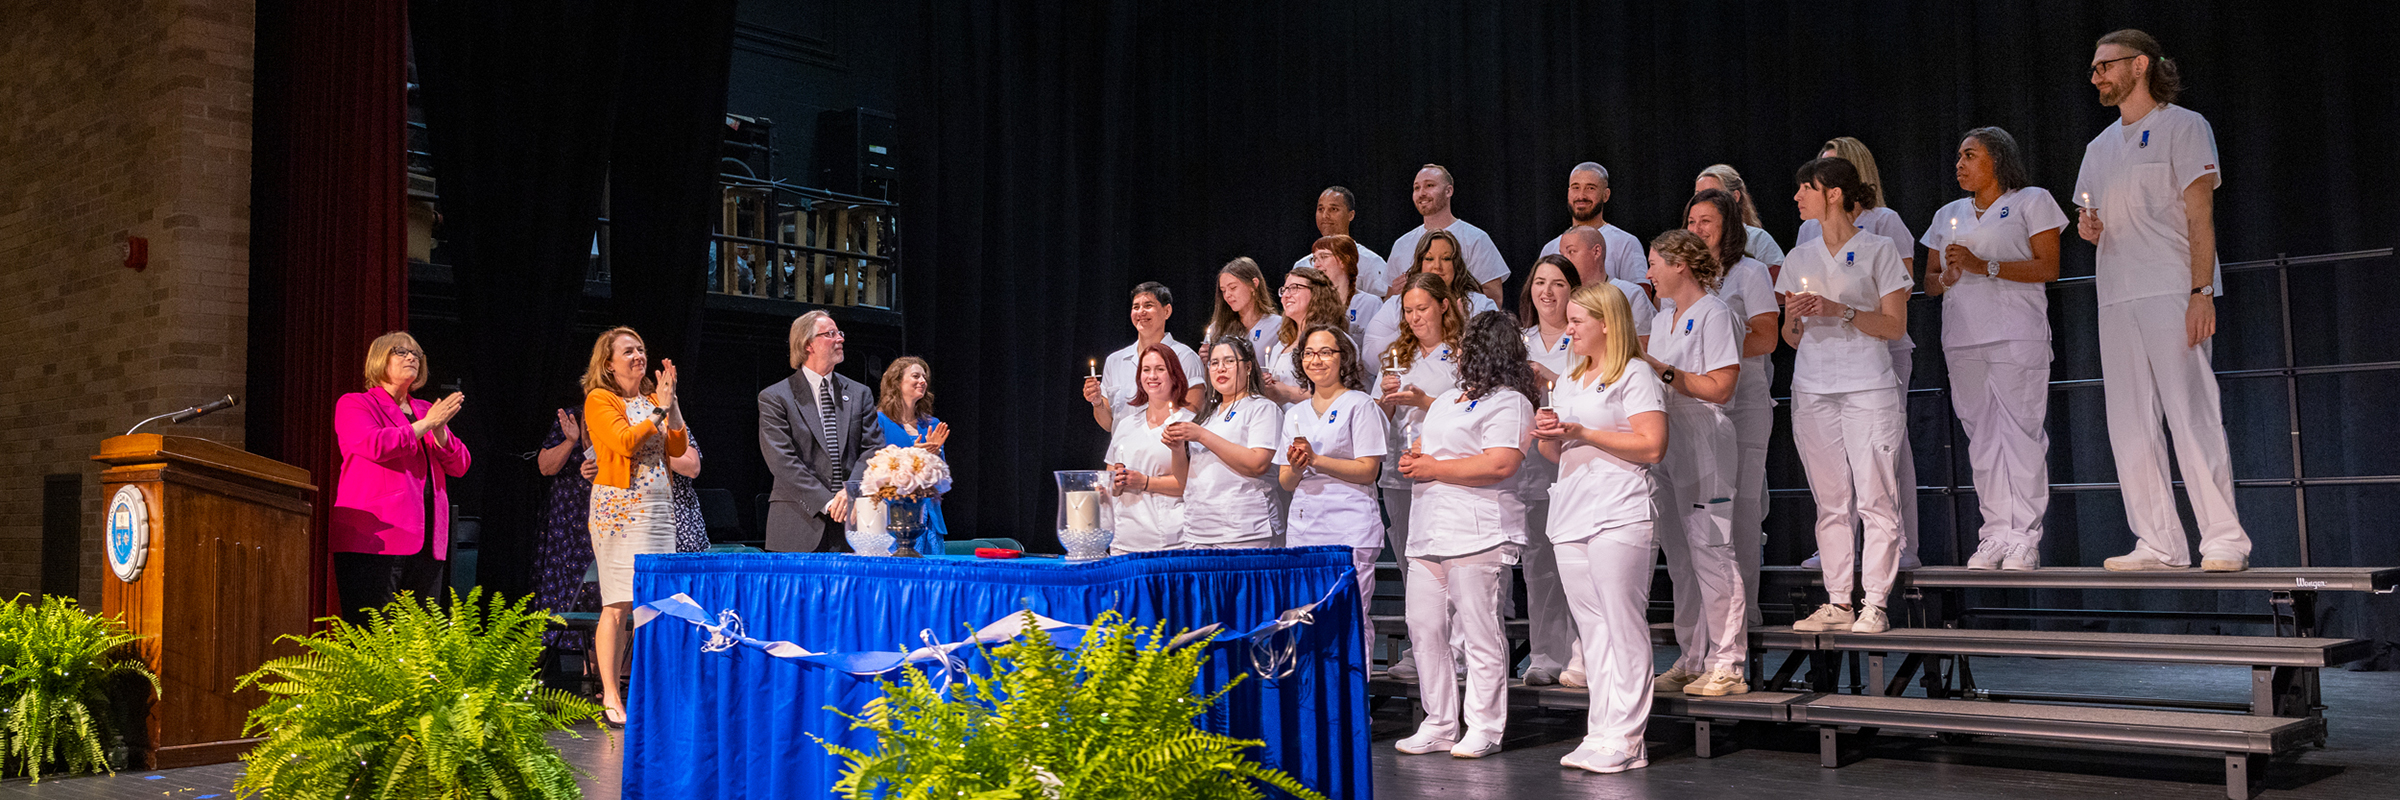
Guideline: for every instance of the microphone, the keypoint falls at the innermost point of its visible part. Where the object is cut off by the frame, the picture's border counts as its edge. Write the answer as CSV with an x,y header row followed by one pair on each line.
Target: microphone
x,y
189,414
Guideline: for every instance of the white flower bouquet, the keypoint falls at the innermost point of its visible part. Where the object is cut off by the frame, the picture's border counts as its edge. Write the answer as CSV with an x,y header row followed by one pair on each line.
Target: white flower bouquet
x,y
904,473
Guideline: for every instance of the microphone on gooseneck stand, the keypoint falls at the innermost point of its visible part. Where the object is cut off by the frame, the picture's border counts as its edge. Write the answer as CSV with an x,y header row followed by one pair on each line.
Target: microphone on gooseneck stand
x,y
188,414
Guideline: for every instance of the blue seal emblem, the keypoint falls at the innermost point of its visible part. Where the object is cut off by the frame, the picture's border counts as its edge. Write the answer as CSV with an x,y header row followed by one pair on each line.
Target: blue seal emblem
x,y
128,536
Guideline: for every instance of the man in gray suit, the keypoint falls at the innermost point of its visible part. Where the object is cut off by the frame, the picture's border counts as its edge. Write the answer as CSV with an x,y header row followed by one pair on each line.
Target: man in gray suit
x,y
816,430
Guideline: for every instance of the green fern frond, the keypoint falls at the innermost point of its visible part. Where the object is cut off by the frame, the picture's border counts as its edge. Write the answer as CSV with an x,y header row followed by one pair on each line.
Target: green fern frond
x,y
58,666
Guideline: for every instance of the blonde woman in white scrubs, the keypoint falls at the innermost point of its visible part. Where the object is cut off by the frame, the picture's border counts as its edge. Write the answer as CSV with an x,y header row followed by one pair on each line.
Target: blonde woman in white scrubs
x,y
1606,427
1989,255
1466,529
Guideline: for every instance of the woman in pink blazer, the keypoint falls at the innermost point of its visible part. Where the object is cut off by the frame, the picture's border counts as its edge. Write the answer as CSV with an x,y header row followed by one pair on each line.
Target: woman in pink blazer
x,y
391,520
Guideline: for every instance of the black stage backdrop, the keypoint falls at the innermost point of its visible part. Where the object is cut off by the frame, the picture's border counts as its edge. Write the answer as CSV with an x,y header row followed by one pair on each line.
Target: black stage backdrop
x,y
1056,153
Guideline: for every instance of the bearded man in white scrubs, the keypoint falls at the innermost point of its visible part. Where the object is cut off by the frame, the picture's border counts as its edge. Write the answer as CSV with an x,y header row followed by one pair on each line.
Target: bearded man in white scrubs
x,y
1431,193
1337,207
1587,196
2146,193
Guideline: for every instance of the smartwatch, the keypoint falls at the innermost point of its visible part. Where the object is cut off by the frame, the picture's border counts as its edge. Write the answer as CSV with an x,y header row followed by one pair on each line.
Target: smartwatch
x,y
1666,375
1849,314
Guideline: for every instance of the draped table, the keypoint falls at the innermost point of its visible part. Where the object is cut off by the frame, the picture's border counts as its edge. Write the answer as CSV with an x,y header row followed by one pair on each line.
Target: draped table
x,y
735,723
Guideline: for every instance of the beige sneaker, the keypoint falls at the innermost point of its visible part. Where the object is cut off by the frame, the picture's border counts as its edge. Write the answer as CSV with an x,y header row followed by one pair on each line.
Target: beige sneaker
x,y
2234,564
2135,562
1573,679
1871,619
1718,682
1673,680
1829,617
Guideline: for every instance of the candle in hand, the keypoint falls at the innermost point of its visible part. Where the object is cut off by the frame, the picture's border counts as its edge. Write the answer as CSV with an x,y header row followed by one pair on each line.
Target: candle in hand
x,y
2087,201
1094,365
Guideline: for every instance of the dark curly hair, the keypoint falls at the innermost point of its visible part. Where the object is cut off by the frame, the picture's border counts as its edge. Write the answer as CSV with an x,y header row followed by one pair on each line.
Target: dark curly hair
x,y
1252,383
1493,358
1354,372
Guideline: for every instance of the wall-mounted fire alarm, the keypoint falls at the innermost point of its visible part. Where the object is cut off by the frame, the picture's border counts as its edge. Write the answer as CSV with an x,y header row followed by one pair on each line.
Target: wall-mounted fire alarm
x,y
137,253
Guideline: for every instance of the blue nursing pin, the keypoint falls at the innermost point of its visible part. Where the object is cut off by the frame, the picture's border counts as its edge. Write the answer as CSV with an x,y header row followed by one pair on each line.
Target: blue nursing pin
x,y
2145,139
1687,326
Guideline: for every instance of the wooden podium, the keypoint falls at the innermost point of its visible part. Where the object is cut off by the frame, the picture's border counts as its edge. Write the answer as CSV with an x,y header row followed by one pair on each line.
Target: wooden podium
x,y
225,572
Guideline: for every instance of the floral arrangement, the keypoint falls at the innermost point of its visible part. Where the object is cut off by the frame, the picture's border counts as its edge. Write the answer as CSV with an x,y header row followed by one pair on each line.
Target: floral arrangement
x,y
904,473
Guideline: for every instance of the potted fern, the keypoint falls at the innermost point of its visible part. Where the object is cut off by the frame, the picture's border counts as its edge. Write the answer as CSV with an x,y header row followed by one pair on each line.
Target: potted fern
x,y
420,702
59,667
1111,718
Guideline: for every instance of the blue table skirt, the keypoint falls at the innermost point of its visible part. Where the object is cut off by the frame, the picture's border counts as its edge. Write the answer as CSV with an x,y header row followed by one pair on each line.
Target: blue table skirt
x,y
735,724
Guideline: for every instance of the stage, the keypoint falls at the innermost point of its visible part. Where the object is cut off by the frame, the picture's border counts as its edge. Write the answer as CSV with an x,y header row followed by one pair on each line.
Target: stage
x,y
2361,759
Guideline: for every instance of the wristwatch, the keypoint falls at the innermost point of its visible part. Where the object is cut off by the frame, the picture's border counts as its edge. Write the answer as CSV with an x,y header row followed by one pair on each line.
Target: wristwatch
x,y
1849,313
1666,375
2204,289
1991,269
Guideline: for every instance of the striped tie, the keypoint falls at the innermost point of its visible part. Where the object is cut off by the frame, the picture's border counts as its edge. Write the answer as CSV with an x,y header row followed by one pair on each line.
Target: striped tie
x,y
833,442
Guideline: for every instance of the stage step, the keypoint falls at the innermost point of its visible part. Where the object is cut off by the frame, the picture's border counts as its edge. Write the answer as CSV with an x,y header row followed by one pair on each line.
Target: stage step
x,y
2249,651
2244,741
2379,580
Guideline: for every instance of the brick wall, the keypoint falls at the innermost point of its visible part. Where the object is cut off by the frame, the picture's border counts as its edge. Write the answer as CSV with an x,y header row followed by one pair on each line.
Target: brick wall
x,y
124,119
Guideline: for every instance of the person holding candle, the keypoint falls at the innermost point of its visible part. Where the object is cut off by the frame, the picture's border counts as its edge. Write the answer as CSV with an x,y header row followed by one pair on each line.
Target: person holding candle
x,y
1422,363
1337,208
1111,389
1550,624
1466,529
636,426
1229,500
1312,298
2149,186
1989,255
1333,446
1750,294
1606,425
1146,471
1437,254
1243,307
1698,356
1848,295
1757,242
1885,222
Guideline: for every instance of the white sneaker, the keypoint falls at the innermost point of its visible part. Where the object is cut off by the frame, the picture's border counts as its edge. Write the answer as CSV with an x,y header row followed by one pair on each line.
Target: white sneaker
x,y
1871,619
1673,680
1573,679
2227,564
1594,758
1718,682
2135,562
1540,676
1425,742
1476,745
1405,668
1988,555
1829,617
2022,558
1814,561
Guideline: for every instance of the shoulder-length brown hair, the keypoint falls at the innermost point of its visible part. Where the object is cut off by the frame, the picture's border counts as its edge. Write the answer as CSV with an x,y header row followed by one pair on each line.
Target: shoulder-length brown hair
x,y
379,359
1225,321
1180,382
1324,307
888,395
1461,283
595,374
1454,316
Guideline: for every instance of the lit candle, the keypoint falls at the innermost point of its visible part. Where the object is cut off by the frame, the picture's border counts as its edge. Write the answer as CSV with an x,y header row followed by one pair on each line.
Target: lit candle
x,y
1549,387
1094,365
1953,227
2087,201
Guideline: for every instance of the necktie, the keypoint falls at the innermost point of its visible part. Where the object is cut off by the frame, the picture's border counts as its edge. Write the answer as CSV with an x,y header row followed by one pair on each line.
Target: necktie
x,y
833,442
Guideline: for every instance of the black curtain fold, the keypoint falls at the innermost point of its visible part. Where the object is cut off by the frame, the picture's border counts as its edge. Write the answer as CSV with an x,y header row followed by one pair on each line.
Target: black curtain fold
x,y
1056,153
662,198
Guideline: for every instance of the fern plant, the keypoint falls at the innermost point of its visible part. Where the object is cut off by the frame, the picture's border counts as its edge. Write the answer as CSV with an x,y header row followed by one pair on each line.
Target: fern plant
x,y
58,664
1111,719
421,702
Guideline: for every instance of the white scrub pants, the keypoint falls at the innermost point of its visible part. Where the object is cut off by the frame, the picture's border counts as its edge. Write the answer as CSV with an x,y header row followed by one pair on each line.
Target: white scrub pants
x,y
2149,371
1695,482
1751,429
2002,393
1608,582
1904,470
1470,585
1395,506
1362,560
1549,619
1846,442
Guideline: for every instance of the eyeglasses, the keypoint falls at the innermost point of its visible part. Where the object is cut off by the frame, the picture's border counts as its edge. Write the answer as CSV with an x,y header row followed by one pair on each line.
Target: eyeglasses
x,y
834,335
1320,354
1292,288
403,352
1227,362
2097,66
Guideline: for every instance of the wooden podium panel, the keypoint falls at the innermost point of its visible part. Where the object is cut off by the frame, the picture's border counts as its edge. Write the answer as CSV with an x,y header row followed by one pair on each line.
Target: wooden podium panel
x,y
227,573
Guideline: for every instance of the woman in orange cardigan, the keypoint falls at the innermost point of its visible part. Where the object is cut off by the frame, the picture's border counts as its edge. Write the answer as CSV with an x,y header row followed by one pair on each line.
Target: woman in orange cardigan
x,y
632,507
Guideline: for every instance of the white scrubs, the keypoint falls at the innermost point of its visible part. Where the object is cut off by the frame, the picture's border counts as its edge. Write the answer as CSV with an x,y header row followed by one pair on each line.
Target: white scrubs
x,y
1601,522
1363,308
1550,624
1432,373
1696,492
1119,378
1624,257
1461,544
1145,520
1846,415
1887,223
1263,332
1761,245
1748,292
2135,174
1482,258
1996,336
1223,508
1369,265
1330,511
1384,329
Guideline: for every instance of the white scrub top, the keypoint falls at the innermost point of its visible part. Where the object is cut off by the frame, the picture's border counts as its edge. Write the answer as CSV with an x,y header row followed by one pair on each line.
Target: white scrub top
x,y
1626,260
1762,246
1121,372
1983,309
1598,494
2136,174
1697,342
1325,509
1432,373
1446,519
1748,292
1884,222
1146,520
1835,356
1219,505
1482,258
